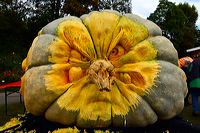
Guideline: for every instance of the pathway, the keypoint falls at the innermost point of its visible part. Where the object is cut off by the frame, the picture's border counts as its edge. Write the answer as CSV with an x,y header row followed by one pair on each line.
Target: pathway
x,y
12,98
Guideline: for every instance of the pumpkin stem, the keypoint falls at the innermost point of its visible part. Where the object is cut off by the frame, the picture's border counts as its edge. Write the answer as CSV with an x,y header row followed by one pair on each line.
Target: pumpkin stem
x,y
100,73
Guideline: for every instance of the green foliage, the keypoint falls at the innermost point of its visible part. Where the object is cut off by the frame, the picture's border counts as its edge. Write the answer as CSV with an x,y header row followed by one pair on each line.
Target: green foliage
x,y
190,12
159,15
197,38
177,23
39,15
174,23
12,29
12,40
123,6
189,28
46,7
10,67
79,7
171,20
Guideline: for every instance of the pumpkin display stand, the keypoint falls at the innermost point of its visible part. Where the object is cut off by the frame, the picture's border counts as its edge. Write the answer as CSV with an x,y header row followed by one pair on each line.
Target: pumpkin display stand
x,y
104,69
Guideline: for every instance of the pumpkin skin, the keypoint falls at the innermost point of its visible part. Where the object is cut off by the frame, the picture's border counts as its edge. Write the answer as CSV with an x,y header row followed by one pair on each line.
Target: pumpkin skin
x,y
103,69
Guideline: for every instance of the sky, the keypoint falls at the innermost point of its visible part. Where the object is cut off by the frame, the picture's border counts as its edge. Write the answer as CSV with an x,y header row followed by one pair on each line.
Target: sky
x,y
143,8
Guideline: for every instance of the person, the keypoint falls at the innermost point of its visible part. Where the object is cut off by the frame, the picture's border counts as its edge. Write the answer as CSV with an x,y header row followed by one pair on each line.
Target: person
x,y
186,70
194,85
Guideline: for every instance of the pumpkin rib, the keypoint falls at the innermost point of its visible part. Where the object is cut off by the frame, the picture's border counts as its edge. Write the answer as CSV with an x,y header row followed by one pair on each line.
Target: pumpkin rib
x,y
59,115
119,121
153,29
143,51
133,32
82,18
120,91
120,104
31,101
51,28
49,111
98,35
61,105
76,35
164,91
126,92
43,89
147,116
165,48
114,42
39,53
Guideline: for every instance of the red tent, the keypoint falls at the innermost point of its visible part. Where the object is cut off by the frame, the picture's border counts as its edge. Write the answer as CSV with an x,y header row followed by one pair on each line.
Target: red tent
x,y
7,87
16,84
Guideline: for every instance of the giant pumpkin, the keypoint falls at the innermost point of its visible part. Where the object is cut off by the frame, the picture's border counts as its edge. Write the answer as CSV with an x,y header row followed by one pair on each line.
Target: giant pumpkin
x,y
103,69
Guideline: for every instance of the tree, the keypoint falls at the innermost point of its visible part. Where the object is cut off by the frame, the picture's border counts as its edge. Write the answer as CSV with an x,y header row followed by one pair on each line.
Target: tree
x,y
159,15
176,24
173,26
12,27
79,7
123,6
51,6
12,38
41,12
171,20
197,38
189,29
